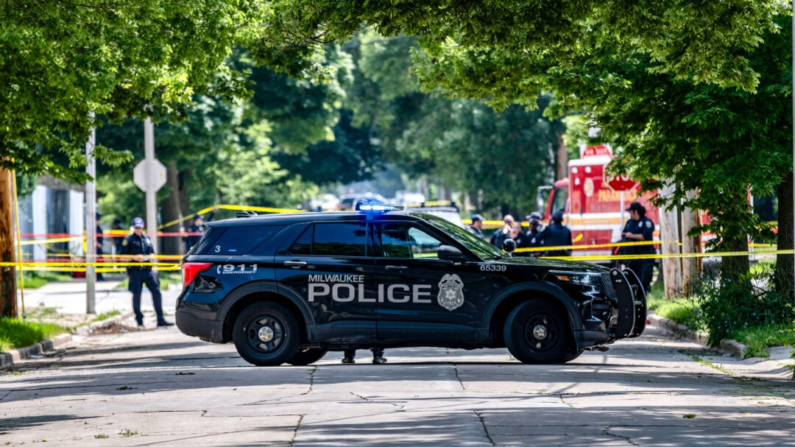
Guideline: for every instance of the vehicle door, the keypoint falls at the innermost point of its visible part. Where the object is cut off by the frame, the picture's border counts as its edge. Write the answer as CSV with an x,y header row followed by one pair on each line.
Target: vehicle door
x,y
420,296
328,266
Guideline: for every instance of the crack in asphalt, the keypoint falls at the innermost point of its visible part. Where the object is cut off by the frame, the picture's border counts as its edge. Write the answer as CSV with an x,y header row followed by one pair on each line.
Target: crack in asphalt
x,y
311,381
455,367
297,427
485,429
606,431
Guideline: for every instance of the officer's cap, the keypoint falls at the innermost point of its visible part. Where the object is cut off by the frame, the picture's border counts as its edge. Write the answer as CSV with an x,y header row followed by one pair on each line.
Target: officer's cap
x,y
477,217
138,223
533,216
635,206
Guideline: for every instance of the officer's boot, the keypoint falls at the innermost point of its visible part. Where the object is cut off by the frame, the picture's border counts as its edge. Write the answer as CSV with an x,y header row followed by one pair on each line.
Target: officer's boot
x,y
348,356
378,356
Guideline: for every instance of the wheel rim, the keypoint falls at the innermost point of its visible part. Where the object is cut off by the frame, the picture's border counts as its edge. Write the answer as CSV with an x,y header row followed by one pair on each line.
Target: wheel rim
x,y
541,332
265,334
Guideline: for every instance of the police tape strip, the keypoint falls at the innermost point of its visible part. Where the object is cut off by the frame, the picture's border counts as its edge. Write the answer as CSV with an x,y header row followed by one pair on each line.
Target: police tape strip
x,y
669,256
261,209
587,247
88,264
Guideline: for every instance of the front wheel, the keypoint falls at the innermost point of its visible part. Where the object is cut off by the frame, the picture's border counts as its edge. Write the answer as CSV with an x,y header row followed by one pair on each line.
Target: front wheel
x,y
307,356
537,332
266,334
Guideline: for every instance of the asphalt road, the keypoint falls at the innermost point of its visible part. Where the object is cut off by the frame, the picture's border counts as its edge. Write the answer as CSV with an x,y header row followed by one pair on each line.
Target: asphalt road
x,y
159,387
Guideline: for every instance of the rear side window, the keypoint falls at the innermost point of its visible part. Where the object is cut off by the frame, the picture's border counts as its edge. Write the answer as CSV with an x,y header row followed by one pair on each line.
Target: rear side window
x,y
332,239
237,241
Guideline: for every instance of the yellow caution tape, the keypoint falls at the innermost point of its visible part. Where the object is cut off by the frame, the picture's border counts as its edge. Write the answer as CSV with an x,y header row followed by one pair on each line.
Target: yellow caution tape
x,y
586,247
52,241
261,209
85,264
669,256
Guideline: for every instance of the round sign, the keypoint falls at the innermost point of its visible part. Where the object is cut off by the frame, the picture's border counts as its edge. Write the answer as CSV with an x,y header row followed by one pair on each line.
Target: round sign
x,y
620,183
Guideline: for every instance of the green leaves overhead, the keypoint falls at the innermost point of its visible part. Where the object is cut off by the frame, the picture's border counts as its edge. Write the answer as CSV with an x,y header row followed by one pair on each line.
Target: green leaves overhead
x,y
59,61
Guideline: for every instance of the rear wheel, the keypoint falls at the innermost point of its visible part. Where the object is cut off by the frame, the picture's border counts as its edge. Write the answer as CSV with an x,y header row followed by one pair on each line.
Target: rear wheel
x,y
537,332
307,356
266,334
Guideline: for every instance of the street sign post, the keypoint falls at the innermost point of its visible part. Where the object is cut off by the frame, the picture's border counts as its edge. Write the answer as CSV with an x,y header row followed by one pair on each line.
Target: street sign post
x,y
620,184
150,176
91,223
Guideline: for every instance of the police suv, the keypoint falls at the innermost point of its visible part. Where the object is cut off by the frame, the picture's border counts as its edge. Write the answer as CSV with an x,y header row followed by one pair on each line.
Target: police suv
x,y
288,288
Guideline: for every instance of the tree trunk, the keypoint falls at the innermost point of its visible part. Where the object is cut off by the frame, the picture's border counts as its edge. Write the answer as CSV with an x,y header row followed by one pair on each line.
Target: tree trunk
x,y
691,267
562,162
785,264
171,245
669,234
8,280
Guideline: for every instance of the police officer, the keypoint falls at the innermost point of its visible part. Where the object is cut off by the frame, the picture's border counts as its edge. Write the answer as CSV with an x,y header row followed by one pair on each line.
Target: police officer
x,y
499,236
556,235
378,356
196,230
139,246
533,234
639,228
477,226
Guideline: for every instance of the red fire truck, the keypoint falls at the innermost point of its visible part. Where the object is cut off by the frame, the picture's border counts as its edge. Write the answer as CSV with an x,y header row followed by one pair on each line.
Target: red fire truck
x,y
593,212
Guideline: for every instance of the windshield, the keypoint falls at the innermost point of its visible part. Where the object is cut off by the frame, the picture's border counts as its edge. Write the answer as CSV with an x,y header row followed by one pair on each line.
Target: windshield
x,y
478,246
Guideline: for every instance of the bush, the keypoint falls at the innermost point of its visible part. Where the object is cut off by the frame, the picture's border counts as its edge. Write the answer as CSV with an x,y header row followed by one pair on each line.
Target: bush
x,y
726,307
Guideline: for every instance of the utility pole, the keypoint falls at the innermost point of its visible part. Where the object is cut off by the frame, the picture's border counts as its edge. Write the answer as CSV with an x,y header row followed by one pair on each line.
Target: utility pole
x,y
91,224
151,190
8,280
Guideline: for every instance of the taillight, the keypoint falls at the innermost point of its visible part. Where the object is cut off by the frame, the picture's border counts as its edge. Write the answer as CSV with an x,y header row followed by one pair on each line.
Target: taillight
x,y
191,269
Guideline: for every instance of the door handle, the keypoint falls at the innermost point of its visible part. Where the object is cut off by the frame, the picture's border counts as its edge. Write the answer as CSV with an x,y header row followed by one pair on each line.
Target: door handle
x,y
295,264
396,267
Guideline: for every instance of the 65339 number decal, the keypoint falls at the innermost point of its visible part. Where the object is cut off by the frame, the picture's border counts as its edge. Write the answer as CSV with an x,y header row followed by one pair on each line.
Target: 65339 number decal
x,y
492,268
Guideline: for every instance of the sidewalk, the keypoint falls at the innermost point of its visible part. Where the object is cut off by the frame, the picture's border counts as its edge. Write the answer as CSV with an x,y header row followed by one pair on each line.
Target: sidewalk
x,y
70,297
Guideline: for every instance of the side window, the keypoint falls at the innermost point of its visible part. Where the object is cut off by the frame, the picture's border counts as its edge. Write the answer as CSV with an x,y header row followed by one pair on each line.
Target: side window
x,y
423,245
340,239
238,241
303,245
401,240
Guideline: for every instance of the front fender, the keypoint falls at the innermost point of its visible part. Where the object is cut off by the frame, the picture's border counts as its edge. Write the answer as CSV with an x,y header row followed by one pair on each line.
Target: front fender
x,y
547,288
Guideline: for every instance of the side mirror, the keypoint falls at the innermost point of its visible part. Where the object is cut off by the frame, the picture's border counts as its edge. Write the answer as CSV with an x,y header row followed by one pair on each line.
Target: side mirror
x,y
509,245
448,253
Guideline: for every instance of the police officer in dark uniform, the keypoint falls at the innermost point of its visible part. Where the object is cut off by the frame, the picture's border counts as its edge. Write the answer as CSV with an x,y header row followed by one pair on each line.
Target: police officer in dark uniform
x,y
378,356
477,226
533,234
139,246
556,235
639,228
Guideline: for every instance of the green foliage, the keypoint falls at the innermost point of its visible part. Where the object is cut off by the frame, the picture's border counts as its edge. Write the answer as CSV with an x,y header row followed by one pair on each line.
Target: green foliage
x,y
106,315
759,338
727,306
34,280
17,333
687,39
63,60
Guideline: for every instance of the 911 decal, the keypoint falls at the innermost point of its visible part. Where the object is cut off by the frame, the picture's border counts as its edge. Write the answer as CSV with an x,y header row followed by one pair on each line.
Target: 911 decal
x,y
231,269
492,268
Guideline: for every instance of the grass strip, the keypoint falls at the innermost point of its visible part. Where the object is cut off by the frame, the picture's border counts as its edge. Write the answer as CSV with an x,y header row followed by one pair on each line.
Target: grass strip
x,y
16,333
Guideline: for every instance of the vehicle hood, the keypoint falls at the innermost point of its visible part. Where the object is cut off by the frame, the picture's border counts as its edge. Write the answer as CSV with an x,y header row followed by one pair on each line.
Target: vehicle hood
x,y
556,264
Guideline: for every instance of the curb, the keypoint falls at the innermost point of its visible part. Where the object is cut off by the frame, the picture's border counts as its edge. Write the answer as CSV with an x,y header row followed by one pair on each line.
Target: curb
x,y
89,329
16,355
733,347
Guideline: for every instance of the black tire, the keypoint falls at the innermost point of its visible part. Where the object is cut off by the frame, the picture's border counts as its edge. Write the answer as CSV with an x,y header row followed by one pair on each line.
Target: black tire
x,y
307,356
283,331
527,345
573,355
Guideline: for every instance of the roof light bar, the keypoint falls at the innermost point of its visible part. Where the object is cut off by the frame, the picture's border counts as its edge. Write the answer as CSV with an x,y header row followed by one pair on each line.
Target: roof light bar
x,y
378,207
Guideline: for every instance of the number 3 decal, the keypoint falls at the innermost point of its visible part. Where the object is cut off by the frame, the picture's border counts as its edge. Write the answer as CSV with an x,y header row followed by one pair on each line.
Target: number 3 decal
x,y
218,249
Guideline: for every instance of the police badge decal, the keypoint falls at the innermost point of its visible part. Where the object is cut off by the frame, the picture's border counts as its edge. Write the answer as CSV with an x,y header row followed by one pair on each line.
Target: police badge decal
x,y
451,295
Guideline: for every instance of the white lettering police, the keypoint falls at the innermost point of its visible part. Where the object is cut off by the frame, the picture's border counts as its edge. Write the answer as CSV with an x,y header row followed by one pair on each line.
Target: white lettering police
x,y
347,288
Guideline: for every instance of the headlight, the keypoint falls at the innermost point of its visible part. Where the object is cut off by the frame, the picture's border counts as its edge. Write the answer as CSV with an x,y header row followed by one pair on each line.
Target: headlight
x,y
586,279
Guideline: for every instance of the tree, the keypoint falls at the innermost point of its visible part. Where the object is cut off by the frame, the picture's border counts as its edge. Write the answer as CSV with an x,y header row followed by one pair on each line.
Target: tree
x,y
699,136
62,60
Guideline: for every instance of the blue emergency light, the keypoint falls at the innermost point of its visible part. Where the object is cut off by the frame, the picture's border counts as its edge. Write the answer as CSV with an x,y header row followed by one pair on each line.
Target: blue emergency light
x,y
366,207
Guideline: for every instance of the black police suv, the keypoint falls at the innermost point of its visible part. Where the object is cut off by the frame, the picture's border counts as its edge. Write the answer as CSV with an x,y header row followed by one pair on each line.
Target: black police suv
x,y
288,288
